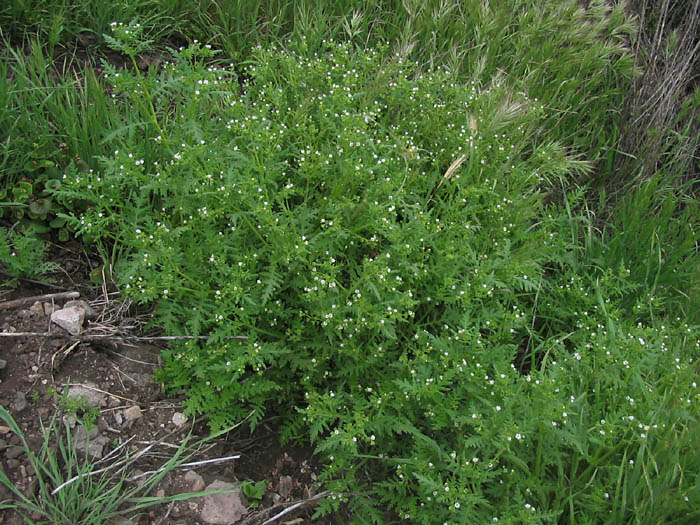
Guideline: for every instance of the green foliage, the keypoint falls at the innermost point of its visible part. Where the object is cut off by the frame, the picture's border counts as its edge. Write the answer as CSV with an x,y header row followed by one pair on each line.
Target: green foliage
x,y
23,255
369,249
385,231
254,491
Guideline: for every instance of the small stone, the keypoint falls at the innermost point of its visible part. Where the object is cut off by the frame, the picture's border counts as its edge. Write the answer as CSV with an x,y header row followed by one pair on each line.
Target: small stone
x,y
118,418
4,430
285,486
92,440
14,452
20,402
37,308
3,364
271,498
78,303
48,309
194,480
225,508
102,424
160,493
87,393
179,419
133,413
70,319
13,464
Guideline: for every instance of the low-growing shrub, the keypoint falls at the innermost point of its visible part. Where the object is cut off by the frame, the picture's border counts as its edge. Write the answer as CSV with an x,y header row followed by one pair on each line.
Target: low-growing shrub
x,y
365,247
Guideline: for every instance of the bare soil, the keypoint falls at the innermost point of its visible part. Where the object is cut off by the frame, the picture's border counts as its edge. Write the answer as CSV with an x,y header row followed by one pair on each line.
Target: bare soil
x,y
39,368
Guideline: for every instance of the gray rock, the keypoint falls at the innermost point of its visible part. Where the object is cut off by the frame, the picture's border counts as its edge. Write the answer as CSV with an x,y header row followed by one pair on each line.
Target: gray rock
x,y
194,480
48,309
20,402
37,308
14,452
91,397
70,319
94,442
285,486
78,303
226,508
3,364
133,413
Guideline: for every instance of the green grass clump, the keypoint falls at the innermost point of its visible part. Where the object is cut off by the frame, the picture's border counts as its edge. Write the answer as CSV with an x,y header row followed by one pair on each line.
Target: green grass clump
x,y
73,488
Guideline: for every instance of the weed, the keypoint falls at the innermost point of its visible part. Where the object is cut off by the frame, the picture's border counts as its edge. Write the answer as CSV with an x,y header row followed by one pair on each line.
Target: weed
x,y
74,489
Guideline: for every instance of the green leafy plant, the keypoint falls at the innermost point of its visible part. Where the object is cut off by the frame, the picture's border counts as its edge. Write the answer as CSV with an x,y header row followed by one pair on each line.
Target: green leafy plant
x,y
370,248
254,491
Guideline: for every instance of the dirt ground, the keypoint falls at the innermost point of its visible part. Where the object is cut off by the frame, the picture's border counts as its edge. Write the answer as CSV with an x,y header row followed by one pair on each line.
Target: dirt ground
x,y
112,382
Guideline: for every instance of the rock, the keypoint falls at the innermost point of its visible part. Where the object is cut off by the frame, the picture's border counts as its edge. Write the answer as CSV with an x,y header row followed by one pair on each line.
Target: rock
x,y
194,480
226,508
14,452
70,319
78,303
285,486
48,309
37,308
3,364
179,419
20,402
3,429
94,442
271,498
92,397
133,413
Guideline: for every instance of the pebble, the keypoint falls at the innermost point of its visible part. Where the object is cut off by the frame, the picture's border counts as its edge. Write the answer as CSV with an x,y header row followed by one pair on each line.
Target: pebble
x,y
133,413
14,452
70,319
37,308
20,402
194,480
225,508
3,364
179,419
83,305
88,394
285,486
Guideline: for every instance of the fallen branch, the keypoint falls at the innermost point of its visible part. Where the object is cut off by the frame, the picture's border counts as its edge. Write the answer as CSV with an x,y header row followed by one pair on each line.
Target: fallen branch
x,y
117,338
6,305
184,465
297,505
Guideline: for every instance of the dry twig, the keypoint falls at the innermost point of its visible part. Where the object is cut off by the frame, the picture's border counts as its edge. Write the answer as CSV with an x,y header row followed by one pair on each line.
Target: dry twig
x,y
46,297
298,504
